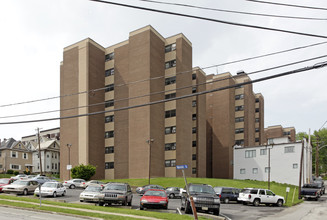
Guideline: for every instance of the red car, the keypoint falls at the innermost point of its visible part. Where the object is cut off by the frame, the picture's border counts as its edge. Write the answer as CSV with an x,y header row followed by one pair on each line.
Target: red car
x,y
4,182
154,198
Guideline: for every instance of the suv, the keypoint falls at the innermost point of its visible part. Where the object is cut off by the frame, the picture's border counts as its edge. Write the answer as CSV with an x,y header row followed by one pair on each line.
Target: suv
x,y
227,194
257,196
120,193
204,198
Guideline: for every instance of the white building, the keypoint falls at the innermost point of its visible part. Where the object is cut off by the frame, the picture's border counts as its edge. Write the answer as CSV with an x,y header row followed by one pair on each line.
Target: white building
x,y
253,162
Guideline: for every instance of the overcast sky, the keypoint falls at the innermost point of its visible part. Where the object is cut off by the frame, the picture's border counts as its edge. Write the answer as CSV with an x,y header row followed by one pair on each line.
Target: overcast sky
x,y
34,33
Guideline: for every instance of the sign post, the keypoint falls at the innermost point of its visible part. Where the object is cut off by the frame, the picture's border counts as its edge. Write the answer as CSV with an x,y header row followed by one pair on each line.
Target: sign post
x,y
182,167
287,191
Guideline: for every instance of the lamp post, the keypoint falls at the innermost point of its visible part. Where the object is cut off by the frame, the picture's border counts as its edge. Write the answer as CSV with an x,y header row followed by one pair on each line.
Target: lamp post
x,y
69,165
149,142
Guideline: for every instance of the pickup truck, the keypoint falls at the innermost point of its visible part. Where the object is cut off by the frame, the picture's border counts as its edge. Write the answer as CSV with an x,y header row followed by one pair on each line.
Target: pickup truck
x,y
310,191
259,196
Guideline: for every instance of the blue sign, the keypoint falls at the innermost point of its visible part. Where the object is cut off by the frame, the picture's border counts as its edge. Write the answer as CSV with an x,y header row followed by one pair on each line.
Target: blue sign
x,y
180,167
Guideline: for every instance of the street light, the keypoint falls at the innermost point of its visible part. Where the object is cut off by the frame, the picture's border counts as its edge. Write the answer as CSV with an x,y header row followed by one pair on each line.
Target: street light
x,y
69,165
149,142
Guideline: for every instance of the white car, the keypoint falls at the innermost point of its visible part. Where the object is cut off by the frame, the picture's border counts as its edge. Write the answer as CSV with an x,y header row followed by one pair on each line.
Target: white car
x,y
51,189
259,196
73,183
90,194
19,177
91,183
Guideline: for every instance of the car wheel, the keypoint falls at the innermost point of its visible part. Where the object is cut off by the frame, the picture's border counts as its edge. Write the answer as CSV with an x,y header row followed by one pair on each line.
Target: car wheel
x,y
54,194
64,193
101,203
72,186
171,195
280,203
25,192
226,200
141,207
188,209
81,200
256,202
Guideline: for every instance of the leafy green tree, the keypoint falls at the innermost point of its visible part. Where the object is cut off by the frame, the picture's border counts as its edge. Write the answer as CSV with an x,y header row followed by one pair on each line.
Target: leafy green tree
x,y
83,172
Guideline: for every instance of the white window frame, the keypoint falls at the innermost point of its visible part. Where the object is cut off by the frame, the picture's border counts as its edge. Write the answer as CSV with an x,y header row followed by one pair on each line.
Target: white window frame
x,y
263,151
255,170
250,153
295,165
289,149
267,169
26,156
16,153
242,171
11,166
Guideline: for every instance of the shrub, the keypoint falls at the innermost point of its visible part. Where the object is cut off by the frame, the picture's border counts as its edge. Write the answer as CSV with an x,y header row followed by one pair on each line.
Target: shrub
x,y
27,173
83,172
10,172
16,173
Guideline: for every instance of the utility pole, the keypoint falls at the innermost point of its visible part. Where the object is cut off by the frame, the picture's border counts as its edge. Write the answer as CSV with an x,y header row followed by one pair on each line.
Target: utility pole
x,y
301,164
38,139
317,157
269,168
149,142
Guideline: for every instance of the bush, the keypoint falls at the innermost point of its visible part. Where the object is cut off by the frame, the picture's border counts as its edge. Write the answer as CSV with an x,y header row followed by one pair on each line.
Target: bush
x,y
27,173
83,172
16,173
10,172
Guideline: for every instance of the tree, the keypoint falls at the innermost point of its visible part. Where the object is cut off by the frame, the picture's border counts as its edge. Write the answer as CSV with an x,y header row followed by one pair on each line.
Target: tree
x,y
83,172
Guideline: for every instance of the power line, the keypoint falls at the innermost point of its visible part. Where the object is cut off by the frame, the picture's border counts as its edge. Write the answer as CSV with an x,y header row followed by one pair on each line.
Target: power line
x,y
232,11
289,5
316,66
322,125
203,68
211,19
164,91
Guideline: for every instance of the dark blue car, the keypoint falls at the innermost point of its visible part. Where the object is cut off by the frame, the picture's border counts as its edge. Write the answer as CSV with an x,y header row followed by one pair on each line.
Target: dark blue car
x,y
227,194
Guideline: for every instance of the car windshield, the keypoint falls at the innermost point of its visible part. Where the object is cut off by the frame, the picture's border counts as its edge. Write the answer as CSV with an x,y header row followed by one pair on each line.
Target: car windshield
x,y
155,193
217,189
4,181
23,183
201,189
115,187
93,189
49,184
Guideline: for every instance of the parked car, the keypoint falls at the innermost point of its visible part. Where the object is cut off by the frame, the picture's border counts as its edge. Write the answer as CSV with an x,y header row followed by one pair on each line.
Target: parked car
x,y
91,182
173,192
4,182
154,198
73,183
311,191
91,194
40,179
21,187
19,177
258,196
321,184
204,197
51,189
119,193
141,190
227,194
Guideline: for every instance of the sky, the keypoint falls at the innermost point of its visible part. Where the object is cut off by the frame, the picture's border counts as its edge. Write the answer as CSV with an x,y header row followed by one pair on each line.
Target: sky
x,y
35,32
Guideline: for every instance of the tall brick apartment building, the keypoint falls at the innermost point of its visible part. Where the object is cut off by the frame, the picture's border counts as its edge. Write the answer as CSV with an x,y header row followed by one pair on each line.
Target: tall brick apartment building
x,y
133,142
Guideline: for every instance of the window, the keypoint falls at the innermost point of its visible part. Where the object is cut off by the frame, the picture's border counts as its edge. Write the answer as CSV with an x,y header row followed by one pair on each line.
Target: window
x,y
193,156
295,165
24,155
239,119
0,166
109,56
170,80
110,72
257,110
170,96
109,150
250,153
239,130
289,149
0,153
239,108
47,155
194,90
109,165
109,118
193,117
15,167
257,129
263,151
170,163
14,154
109,103
257,100
51,155
56,166
238,87
52,166
255,170
257,139
109,88
170,64
193,130
287,133
193,143
109,134
193,76
194,103
170,130
193,170
267,169
170,47
170,146
238,97
170,113
257,120
242,171
239,142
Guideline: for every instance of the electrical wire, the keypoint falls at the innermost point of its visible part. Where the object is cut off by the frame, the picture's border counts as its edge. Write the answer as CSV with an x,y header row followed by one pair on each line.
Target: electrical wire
x,y
232,11
208,67
167,91
213,20
316,66
289,5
